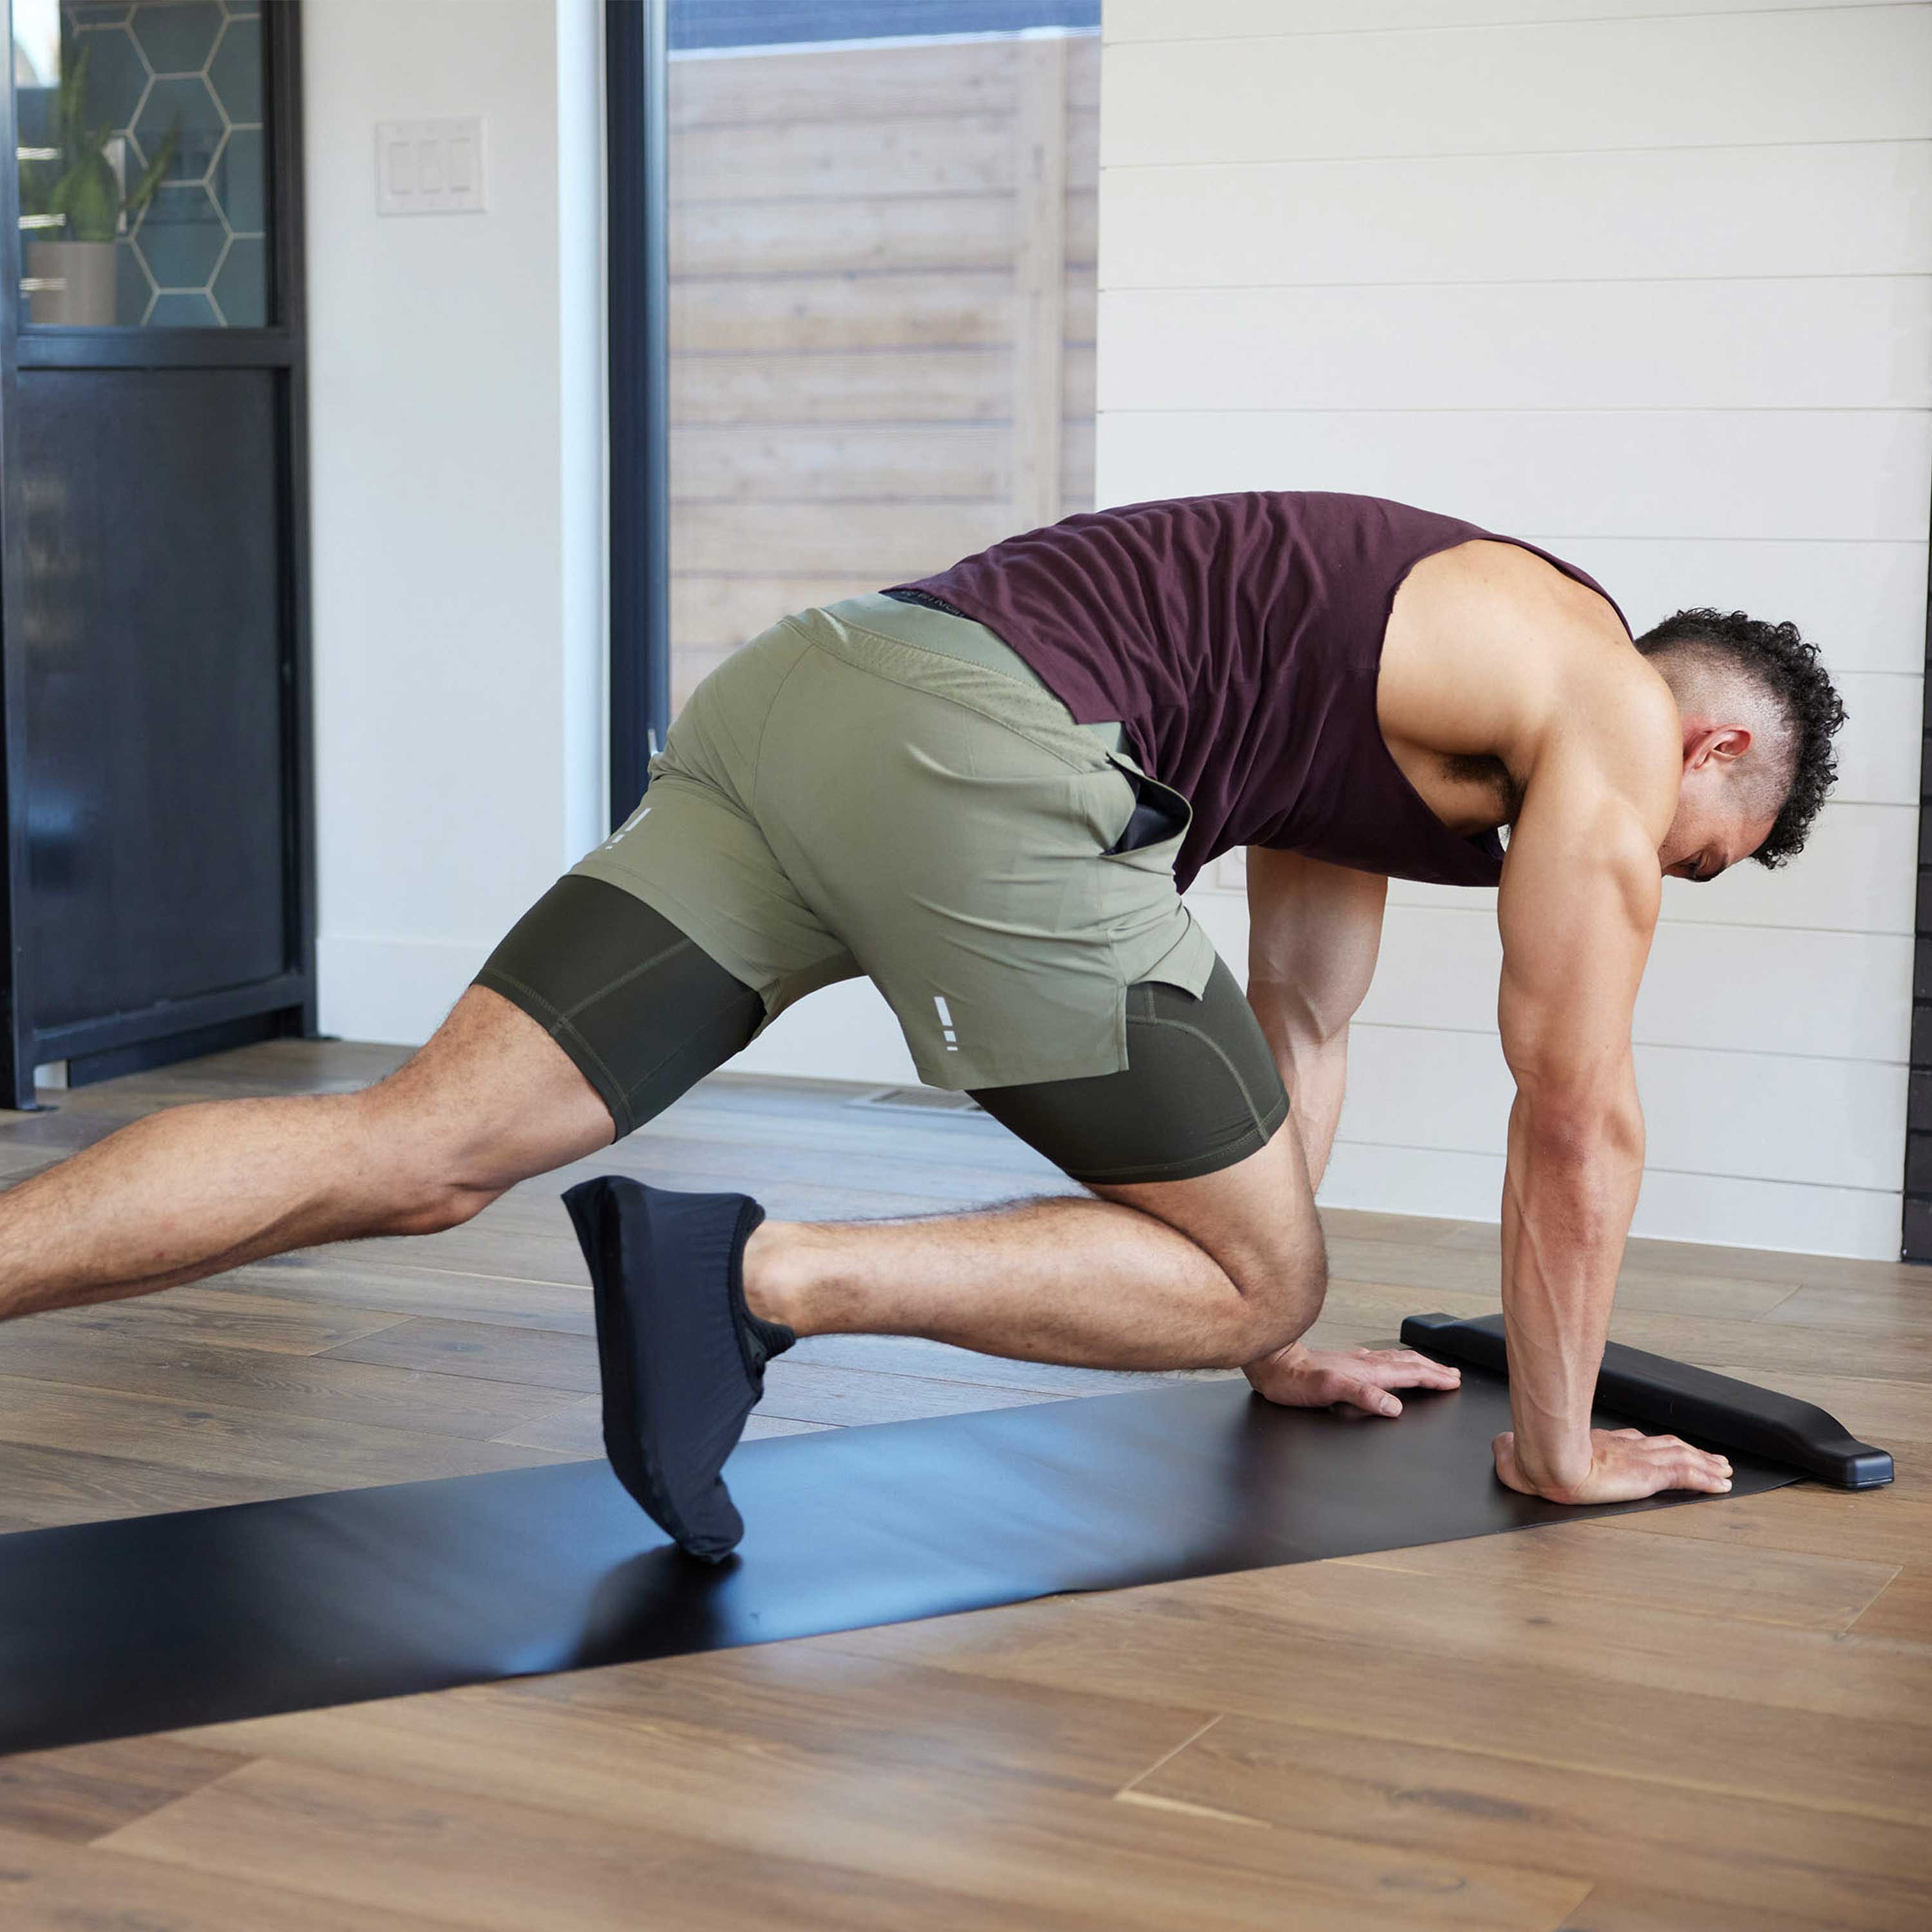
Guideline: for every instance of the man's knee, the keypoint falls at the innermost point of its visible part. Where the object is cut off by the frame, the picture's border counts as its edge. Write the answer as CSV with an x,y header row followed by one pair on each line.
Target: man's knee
x,y
491,1101
426,1172
1255,1222
1281,1298
436,1204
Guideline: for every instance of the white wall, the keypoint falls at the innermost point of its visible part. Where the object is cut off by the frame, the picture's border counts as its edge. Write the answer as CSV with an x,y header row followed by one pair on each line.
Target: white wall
x,y
456,404
1645,281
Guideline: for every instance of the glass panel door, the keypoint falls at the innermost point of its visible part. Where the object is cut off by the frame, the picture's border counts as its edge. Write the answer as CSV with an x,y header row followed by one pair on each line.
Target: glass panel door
x,y
143,172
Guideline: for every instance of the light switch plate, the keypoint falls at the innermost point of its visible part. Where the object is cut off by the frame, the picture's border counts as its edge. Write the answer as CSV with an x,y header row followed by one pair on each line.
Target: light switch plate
x,y
1231,871
430,167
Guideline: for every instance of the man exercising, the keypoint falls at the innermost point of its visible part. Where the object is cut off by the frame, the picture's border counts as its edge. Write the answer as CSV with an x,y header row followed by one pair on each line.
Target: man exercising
x,y
984,791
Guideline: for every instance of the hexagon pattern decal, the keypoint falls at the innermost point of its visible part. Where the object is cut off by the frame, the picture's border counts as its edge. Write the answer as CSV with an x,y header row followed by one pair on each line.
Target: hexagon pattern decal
x,y
190,70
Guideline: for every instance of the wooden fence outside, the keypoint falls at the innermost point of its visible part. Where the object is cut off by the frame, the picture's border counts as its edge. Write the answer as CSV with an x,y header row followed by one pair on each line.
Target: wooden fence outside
x,y
882,319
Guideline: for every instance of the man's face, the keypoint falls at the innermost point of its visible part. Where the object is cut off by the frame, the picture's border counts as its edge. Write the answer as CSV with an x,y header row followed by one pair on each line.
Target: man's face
x,y
1714,827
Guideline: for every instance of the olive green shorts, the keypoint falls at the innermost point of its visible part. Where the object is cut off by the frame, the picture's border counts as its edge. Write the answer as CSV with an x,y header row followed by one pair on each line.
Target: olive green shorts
x,y
878,788
882,789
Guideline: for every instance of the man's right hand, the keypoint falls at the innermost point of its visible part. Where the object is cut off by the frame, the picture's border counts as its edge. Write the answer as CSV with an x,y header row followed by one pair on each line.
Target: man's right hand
x,y
1625,1466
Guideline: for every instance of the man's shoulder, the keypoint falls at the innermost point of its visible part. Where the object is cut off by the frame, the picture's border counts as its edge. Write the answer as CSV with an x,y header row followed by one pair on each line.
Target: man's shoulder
x,y
1514,577
1506,648
1613,720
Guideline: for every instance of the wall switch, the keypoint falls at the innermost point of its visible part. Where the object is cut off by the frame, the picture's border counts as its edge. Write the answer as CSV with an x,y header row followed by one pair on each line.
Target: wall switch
x,y
430,167
1231,871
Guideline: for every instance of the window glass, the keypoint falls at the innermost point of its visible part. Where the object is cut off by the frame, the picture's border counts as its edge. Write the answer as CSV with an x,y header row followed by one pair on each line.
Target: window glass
x,y
883,291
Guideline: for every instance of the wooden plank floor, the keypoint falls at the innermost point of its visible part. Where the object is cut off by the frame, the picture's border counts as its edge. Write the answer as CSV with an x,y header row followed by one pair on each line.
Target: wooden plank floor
x,y
1709,1719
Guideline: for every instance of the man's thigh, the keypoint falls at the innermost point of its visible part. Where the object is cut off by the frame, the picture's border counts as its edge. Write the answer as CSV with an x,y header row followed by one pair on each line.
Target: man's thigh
x,y
634,1002
1196,1132
487,1102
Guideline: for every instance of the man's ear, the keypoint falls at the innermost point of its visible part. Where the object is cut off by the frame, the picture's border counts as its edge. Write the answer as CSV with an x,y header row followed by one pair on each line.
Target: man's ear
x,y
1719,744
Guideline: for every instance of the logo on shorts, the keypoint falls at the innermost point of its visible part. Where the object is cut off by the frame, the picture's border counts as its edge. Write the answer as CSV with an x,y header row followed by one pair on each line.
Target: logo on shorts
x,y
630,824
946,1024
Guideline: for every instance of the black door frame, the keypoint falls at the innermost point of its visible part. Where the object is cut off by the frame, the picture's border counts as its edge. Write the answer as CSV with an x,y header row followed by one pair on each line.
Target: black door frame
x,y
636,79
285,1003
1916,1242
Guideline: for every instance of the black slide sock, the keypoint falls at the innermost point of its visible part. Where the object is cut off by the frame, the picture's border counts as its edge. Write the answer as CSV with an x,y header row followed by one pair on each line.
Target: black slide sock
x,y
681,1358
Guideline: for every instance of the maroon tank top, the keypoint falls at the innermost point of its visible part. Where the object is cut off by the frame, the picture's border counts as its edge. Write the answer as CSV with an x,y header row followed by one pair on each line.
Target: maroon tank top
x,y
1238,640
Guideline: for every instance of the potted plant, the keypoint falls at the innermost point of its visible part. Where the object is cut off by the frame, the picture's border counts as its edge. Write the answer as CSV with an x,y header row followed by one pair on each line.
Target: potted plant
x,y
75,191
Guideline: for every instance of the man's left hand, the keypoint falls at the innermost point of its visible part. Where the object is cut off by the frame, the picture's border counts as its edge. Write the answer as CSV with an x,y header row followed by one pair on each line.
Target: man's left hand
x,y
1361,1378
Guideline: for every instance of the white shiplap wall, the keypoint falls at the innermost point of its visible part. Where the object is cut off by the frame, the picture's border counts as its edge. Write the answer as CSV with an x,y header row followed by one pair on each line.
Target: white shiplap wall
x,y
1649,282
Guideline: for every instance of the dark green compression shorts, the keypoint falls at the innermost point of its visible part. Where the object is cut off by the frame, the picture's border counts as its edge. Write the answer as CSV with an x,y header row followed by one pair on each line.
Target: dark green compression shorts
x,y
645,1013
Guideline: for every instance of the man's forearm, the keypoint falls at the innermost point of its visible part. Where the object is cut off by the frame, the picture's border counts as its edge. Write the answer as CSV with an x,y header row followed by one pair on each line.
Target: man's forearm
x,y
1315,1073
1567,1200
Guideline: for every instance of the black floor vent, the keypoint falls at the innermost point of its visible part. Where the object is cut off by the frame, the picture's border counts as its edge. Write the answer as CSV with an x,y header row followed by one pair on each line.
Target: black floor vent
x,y
919,1100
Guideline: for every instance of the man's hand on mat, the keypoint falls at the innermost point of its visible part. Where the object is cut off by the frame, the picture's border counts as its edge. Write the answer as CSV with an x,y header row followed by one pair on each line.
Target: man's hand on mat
x,y
1364,1378
1627,1465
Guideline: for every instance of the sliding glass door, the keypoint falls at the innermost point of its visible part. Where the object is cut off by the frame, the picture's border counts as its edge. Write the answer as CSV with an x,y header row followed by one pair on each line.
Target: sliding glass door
x,y
869,236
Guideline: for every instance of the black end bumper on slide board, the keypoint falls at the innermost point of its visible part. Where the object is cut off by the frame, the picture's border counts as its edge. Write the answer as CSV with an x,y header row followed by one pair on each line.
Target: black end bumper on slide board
x,y
1661,1394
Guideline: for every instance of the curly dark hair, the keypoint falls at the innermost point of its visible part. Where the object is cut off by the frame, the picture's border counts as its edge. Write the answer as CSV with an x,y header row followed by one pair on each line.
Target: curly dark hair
x,y
1778,660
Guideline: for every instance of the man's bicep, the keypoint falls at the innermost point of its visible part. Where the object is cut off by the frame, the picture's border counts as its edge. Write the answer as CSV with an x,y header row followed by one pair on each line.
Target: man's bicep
x,y
1580,891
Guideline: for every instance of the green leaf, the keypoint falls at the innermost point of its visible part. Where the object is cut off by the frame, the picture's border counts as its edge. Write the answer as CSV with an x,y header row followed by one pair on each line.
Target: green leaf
x,y
83,185
72,106
91,200
142,192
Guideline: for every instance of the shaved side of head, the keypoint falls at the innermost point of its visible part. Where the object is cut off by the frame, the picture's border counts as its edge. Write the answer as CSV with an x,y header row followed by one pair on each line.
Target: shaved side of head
x,y
1712,688
1727,668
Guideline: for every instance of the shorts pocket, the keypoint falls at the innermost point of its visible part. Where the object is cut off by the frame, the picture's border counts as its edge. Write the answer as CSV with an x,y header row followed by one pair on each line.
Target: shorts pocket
x,y
1156,825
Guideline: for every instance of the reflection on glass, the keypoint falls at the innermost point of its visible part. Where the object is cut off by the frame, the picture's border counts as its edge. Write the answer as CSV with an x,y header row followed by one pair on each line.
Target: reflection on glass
x,y
883,294
142,172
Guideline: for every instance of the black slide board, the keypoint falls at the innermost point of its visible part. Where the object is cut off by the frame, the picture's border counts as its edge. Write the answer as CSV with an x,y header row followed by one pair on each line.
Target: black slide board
x,y
1672,1398
117,1629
